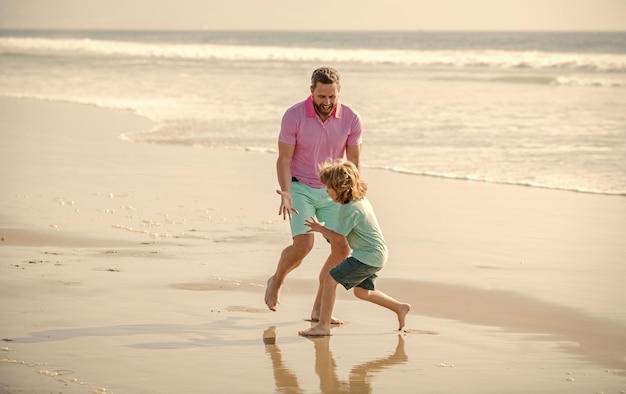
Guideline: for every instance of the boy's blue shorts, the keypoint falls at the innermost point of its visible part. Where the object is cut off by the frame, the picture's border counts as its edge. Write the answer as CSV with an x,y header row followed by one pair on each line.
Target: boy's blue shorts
x,y
311,202
351,272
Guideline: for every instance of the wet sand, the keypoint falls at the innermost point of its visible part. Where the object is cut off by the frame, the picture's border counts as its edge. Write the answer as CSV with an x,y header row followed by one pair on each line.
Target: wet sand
x,y
141,268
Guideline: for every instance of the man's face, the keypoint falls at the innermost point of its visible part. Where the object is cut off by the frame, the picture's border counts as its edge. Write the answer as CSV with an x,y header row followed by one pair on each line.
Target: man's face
x,y
325,97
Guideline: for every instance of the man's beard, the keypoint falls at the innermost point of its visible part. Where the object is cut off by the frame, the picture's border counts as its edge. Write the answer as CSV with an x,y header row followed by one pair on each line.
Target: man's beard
x,y
322,111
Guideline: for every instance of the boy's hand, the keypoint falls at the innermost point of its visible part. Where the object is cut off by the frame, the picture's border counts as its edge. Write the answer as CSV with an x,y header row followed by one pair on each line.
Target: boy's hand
x,y
314,224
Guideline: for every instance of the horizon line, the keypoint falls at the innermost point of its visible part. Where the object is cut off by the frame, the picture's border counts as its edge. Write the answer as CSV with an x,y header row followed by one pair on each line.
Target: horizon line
x,y
273,30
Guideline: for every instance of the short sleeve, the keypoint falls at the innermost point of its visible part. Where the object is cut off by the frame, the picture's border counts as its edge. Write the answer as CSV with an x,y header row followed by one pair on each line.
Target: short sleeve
x,y
347,220
288,129
356,130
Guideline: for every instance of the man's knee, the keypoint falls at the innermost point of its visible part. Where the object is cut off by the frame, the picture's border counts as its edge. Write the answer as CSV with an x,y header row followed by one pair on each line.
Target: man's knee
x,y
302,245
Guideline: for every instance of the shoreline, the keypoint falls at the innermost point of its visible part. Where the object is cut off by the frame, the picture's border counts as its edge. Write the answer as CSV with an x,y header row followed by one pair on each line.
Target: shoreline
x,y
125,138
122,259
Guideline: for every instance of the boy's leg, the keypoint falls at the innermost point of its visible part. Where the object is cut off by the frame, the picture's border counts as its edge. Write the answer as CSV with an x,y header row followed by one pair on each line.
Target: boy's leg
x,y
328,212
379,298
338,253
329,289
325,366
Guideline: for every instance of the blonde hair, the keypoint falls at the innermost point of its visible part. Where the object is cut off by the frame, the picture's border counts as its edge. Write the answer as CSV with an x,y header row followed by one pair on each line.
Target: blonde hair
x,y
344,178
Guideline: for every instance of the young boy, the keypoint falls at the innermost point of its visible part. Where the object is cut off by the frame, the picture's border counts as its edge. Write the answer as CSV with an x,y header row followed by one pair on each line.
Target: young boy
x,y
358,227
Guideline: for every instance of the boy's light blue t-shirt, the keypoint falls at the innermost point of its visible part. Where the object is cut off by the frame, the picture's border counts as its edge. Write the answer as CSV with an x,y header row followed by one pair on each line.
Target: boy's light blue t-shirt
x,y
357,222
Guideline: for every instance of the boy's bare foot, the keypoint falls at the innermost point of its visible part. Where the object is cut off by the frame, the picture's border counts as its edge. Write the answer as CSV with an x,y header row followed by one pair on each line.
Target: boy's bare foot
x,y
271,294
404,309
333,319
316,331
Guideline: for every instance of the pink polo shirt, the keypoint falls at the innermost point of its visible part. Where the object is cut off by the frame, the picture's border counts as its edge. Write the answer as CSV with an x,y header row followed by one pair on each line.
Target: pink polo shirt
x,y
317,141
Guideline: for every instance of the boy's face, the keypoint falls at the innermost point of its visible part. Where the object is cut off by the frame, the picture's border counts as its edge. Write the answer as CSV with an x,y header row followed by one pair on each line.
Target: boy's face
x,y
332,193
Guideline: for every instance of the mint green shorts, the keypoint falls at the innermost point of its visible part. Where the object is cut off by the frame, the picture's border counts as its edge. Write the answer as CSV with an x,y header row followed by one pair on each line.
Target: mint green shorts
x,y
311,202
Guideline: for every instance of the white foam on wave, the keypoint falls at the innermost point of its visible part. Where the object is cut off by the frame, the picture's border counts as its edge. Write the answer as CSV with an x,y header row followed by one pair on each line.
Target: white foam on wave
x,y
485,179
497,59
261,149
586,81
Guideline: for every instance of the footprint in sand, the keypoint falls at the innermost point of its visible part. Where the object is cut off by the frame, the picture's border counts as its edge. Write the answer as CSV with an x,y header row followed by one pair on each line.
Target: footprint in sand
x,y
416,331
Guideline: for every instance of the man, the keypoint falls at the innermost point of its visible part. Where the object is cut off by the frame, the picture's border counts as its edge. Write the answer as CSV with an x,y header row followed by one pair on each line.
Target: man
x,y
312,131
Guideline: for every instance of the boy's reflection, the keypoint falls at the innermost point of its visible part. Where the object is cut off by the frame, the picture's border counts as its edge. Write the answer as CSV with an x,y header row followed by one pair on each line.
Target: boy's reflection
x,y
326,368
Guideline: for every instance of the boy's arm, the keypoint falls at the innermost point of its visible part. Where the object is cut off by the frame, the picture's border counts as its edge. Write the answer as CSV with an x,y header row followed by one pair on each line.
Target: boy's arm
x,y
332,237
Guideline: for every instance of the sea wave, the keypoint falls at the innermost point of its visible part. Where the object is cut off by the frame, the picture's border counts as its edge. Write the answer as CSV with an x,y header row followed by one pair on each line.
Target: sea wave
x,y
606,80
496,59
501,182
582,81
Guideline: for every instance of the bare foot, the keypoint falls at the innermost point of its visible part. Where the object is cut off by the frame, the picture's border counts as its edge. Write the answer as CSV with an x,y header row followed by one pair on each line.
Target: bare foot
x,y
333,319
271,295
316,331
269,336
404,309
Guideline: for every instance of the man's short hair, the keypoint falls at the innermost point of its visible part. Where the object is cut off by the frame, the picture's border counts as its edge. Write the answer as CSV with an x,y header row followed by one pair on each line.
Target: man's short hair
x,y
325,75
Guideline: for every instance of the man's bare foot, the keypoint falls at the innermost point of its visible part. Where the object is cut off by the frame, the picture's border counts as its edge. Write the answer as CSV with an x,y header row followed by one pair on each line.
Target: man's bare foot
x,y
404,310
333,319
269,336
316,331
271,294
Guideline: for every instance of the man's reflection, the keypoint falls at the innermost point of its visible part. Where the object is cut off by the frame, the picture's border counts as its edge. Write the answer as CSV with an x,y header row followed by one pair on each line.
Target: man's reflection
x,y
286,381
326,368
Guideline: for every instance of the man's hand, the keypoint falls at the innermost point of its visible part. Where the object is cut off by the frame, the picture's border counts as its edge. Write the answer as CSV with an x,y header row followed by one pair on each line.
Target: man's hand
x,y
314,225
286,205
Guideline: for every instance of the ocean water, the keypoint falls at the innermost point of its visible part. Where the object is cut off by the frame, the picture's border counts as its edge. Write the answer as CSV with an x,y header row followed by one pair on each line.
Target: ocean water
x,y
536,109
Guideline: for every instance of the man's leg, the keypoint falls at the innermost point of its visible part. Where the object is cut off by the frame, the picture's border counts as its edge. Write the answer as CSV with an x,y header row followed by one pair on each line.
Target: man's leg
x,y
290,258
285,380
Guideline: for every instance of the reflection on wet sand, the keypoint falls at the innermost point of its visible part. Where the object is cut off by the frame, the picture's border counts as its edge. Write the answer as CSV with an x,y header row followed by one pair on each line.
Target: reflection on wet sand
x,y
359,380
286,381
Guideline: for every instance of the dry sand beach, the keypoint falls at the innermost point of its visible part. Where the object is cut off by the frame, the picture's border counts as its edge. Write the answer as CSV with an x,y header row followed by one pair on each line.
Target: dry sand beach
x,y
138,268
